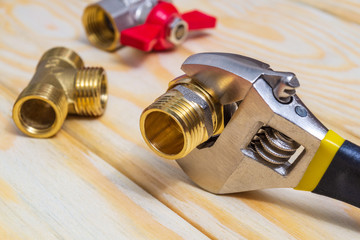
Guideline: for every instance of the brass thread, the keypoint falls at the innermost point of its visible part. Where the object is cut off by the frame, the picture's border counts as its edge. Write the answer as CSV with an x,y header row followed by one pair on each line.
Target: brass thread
x,y
90,92
100,28
59,87
173,125
41,110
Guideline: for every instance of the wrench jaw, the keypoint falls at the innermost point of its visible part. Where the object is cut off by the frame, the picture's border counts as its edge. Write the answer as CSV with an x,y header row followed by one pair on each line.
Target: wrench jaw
x,y
233,165
269,140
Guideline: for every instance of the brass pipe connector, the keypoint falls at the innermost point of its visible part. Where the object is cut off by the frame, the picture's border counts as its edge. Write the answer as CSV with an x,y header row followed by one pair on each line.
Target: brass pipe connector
x,y
266,136
181,119
61,85
100,27
236,126
104,20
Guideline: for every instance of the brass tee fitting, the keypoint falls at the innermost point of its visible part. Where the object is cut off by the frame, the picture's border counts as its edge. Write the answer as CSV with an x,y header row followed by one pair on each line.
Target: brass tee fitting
x,y
61,85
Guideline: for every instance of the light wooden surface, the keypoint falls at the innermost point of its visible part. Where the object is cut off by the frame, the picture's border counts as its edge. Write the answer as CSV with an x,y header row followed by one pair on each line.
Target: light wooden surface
x,y
97,179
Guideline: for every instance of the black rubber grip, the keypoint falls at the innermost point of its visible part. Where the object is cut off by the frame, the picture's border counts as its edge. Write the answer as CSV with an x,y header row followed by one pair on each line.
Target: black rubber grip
x,y
342,178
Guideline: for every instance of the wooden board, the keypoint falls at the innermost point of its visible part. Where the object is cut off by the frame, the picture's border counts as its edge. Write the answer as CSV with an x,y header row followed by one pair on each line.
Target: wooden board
x,y
97,179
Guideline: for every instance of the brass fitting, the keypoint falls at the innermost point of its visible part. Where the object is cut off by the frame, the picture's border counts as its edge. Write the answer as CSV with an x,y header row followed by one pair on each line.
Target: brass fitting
x,y
181,119
100,28
61,85
233,124
104,20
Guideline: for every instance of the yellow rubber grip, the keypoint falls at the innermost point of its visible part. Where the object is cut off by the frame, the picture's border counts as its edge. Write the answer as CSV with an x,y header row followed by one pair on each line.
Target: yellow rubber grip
x,y
321,161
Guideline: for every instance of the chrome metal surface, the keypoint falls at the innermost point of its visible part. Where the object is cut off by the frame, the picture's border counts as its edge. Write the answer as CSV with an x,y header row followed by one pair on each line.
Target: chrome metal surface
x,y
268,142
268,99
178,30
238,73
273,146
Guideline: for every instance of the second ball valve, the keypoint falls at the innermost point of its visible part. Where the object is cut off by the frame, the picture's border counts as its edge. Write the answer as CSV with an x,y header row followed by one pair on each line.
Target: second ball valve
x,y
143,24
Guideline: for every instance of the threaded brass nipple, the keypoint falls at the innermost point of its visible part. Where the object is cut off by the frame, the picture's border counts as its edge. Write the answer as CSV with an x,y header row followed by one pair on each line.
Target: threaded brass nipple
x,y
90,92
180,120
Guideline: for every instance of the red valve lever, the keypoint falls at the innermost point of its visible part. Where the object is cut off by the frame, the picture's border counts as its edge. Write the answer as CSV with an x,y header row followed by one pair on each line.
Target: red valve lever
x,y
143,37
164,28
198,20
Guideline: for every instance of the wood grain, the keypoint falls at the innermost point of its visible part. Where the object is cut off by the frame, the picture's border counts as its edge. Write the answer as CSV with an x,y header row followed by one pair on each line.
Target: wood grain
x,y
289,35
58,189
347,10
